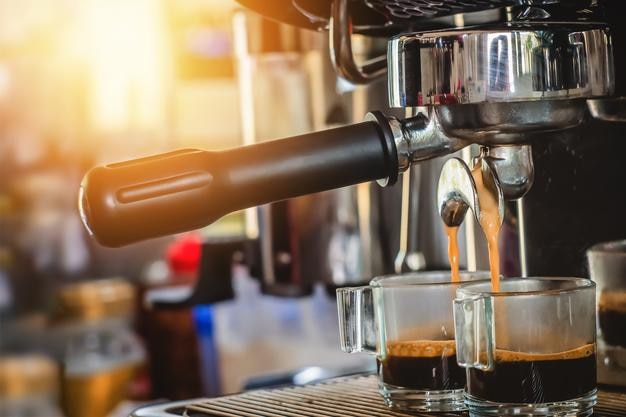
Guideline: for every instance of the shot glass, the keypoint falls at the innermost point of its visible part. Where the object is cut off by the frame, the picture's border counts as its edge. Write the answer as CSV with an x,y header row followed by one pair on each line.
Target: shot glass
x,y
529,349
607,268
407,322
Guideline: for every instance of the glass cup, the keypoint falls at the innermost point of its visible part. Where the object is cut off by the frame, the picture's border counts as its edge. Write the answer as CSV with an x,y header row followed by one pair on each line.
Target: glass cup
x,y
607,268
529,349
406,321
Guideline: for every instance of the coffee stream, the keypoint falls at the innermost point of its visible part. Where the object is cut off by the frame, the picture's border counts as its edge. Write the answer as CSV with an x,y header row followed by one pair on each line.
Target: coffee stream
x,y
431,364
490,223
453,252
517,377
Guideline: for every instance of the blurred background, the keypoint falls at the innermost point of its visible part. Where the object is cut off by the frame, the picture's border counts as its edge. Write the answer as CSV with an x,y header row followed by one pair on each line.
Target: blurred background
x,y
91,331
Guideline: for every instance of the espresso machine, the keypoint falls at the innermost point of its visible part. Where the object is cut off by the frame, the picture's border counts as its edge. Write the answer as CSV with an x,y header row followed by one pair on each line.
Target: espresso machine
x,y
530,89
528,82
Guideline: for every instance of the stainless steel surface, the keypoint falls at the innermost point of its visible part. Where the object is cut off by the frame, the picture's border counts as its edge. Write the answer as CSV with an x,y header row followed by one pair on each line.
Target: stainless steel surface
x,y
498,87
503,123
339,397
301,376
608,109
341,49
402,146
409,257
518,62
349,396
337,235
167,409
456,191
432,240
513,165
420,138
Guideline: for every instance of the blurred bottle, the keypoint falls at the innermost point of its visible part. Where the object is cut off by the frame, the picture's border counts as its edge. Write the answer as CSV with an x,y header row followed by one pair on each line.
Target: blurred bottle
x,y
171,339
102,354
209,359
29,387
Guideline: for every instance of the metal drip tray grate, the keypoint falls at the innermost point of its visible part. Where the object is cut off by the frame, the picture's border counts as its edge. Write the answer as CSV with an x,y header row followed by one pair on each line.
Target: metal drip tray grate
x,y
342,397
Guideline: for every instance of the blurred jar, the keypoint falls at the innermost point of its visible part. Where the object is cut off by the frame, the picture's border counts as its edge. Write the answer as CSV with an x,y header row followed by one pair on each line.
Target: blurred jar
x,y
29,387
103,355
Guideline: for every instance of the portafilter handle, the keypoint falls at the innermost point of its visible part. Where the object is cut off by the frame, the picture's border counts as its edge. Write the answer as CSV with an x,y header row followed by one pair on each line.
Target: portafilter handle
x,y
177,191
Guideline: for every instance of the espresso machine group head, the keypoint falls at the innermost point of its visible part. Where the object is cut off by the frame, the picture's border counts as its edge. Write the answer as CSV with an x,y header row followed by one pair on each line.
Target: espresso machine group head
x,y
500,74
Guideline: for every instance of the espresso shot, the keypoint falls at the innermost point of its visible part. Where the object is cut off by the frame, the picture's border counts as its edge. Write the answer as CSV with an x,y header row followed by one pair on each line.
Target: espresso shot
x,y
612,317
519,377
422,365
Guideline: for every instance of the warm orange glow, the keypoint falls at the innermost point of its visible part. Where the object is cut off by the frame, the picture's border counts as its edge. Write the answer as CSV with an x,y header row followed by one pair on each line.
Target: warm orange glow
x,y
124,45
88,72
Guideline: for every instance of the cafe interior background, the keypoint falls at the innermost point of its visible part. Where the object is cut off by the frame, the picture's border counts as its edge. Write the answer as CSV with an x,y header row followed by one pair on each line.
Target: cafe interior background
x,y
88,330
85,82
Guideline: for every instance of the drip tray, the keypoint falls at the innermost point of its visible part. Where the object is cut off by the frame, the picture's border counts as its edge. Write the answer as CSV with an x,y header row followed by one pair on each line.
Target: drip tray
x,y
355,396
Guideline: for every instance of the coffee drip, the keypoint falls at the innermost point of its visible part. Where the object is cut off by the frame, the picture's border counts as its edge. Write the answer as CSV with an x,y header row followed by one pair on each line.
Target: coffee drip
x,y
453,252
488,212
490,221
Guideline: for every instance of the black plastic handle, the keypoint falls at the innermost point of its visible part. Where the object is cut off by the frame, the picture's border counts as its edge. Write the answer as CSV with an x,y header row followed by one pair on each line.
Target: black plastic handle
x,y
183,190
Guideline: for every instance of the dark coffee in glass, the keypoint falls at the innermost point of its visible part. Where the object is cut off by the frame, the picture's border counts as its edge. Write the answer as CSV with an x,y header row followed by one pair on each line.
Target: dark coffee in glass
x,y
425,365
536,378
530,348
612,316
407,322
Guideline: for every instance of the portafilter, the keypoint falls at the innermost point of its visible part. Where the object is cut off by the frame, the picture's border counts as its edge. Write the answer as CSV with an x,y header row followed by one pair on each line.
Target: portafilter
x,y
500,86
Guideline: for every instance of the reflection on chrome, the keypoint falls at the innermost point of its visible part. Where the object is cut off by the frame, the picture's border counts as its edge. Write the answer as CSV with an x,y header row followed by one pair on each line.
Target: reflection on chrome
x,y
518,63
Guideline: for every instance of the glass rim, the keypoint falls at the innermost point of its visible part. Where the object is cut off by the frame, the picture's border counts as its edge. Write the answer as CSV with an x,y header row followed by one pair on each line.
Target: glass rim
x,y
377,282
581,285
614,248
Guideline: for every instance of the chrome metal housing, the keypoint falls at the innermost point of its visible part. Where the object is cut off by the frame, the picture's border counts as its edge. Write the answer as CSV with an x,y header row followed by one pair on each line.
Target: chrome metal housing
x,y
515,122
608,109
518,62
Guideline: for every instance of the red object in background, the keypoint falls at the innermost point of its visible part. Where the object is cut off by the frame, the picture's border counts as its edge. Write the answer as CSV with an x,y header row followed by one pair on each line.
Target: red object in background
x,y
183,257
171,337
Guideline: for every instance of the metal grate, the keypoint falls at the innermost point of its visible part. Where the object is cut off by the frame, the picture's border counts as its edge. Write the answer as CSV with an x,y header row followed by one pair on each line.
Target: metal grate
x,y
407,9
342,397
